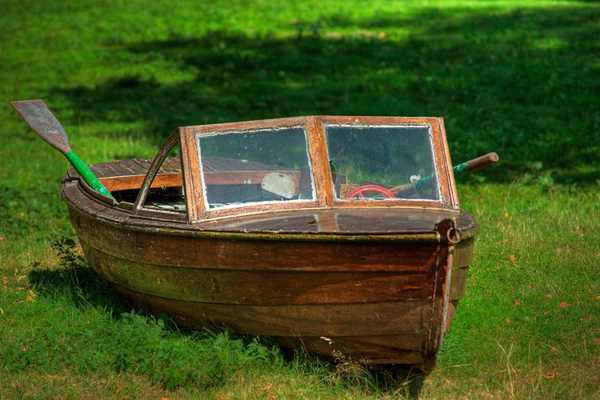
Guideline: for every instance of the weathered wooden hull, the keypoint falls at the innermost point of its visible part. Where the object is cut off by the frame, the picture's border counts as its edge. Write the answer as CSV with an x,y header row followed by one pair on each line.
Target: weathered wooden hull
x,y
385,301
274,241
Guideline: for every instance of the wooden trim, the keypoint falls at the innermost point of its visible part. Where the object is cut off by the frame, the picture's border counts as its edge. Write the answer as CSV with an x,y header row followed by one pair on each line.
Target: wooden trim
x,y
263,207
453,194
158,214
241,177
127,182
249,125
354,120
441,161
192,177
188,140
95,194
320,162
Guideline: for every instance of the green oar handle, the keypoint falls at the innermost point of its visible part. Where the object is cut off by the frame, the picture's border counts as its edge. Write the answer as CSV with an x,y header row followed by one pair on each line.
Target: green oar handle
x,y
87,174
39,117
459,170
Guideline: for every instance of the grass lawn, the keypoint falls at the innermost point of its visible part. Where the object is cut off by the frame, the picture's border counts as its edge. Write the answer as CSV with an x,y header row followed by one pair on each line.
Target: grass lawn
x,y
518,78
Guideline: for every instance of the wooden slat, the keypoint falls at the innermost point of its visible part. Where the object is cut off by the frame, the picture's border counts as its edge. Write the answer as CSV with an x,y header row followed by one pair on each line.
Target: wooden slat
x,y
132,168
320,162
135,181
104,169
142,165
172,165
192,179
256,254
245,177
245,286
367,319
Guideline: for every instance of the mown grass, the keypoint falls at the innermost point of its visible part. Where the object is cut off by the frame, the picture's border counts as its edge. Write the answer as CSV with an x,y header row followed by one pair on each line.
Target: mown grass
x,y
519,78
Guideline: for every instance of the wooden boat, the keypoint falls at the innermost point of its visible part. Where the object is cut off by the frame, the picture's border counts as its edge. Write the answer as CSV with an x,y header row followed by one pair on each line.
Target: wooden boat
x,y
335,234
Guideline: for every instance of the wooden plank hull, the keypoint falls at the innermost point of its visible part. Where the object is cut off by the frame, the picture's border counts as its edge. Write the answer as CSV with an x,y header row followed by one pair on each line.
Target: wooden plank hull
x,y
377,302
224,240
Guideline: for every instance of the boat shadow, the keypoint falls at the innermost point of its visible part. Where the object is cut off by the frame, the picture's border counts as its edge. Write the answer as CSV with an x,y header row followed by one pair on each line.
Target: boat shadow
x,y
77,281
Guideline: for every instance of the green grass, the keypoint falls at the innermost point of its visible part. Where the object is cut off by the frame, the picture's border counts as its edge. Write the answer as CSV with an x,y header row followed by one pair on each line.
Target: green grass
x,y
518,78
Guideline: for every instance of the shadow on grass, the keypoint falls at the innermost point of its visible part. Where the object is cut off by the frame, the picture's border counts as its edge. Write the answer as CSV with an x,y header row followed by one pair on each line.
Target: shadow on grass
x,y
521,83
77,280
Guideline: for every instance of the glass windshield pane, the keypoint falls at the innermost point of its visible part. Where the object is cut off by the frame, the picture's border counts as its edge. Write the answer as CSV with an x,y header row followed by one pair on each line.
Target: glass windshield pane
x,y
382,162
251,167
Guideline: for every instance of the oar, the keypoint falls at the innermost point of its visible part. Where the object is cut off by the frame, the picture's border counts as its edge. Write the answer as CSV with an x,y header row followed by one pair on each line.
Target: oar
x,y
459,170
45,124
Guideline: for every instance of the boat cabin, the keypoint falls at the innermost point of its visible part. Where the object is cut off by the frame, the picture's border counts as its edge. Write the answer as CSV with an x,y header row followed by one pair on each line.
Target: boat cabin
x,y
302,163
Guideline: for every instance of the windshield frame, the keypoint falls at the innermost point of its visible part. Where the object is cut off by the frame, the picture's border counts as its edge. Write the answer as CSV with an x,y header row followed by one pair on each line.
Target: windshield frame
x,y
447,196
318,159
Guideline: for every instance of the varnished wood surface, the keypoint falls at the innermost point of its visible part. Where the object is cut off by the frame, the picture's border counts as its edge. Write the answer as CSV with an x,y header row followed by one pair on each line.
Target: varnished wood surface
x,y
361,271
266,285
114,184
355,320
346,221
164,249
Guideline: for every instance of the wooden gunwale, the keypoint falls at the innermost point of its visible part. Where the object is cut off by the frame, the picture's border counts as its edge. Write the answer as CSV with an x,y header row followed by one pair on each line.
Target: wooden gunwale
x,y
82,199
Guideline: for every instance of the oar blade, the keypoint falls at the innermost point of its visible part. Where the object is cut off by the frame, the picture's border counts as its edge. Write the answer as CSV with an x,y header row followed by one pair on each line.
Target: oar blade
x,y
44,123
